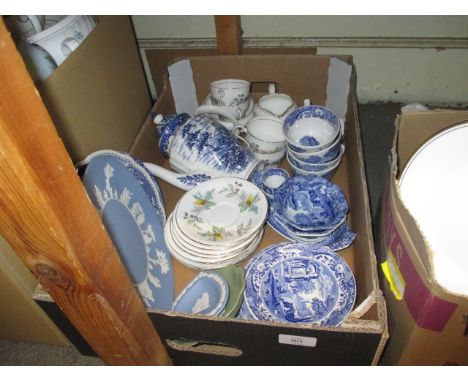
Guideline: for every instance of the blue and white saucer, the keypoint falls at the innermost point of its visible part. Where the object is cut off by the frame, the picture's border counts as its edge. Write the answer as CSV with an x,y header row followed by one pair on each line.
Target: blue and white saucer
x,y
340,238
310,201
134,226
208,294
299,282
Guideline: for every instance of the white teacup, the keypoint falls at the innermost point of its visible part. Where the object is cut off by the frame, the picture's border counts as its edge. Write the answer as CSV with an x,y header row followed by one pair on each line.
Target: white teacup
x,y
62,38
264,134
275,104
232,93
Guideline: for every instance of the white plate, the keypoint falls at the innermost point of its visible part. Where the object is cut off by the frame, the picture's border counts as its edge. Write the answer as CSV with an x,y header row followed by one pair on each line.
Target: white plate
x,y
221,210
212,252
434,188
200,264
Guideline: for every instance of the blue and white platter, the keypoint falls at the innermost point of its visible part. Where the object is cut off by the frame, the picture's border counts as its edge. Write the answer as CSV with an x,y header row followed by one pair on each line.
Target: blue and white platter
x,y
134,224
299,282
207,294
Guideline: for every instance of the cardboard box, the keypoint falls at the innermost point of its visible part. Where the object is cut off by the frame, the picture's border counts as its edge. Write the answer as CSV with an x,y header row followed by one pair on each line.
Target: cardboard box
x,y
427,324
226,341
98,98
360,340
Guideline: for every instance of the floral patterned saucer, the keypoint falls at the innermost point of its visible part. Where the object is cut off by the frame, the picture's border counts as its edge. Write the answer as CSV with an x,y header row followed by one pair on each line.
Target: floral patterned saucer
x,y
221,211
206,252
200,261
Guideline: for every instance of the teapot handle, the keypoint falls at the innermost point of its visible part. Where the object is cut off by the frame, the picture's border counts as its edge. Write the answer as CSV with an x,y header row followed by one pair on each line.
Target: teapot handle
x,y
215,109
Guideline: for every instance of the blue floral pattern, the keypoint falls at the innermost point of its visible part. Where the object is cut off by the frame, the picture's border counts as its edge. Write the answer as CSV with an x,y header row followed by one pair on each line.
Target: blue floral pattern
x,y
215,147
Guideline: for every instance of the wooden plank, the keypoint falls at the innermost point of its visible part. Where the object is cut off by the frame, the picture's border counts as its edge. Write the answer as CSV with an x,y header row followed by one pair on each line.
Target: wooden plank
x,y
228,34
51,224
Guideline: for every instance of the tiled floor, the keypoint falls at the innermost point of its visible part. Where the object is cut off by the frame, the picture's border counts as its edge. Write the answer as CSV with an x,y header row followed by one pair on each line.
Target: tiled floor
x,y
377,124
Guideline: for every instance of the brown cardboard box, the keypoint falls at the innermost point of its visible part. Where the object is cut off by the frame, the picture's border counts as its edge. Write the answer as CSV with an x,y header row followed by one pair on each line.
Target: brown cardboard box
x,y
427,324
360,340
98,98
227,341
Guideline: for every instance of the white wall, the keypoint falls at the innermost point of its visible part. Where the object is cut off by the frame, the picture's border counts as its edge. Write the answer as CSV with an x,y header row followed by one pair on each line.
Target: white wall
x,y
398,58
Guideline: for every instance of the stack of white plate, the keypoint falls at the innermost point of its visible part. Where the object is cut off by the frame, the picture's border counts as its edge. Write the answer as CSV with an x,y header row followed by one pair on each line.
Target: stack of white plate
x,y
434,187
217,223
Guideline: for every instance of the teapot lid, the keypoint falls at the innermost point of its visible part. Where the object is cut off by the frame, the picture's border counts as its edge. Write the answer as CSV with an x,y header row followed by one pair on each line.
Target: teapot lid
x,y
166,127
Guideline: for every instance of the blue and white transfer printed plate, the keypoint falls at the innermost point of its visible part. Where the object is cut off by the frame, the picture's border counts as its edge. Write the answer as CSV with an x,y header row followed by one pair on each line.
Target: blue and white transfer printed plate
x,y
134,225
299,282
207,294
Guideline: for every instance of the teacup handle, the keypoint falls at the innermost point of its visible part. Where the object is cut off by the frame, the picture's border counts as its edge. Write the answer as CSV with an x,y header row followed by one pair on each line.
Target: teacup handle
x,y
271,89
215,109
37,25
342,126
69,45
239,129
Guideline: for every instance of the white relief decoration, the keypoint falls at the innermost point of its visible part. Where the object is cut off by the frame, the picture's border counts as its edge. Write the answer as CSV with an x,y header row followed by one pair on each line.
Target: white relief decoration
x,y
150,282
202,303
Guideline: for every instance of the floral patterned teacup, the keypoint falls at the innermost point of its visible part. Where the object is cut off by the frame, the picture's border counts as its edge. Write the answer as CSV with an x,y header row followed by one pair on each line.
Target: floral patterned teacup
x,y
233,93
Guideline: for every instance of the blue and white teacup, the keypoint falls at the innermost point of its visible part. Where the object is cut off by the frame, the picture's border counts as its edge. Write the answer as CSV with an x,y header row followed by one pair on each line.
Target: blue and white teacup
x,y
312,128
326,173
270,179
320,166
327,154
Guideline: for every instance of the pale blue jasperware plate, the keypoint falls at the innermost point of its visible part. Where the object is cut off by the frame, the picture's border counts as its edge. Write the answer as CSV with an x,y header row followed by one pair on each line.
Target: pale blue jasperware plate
x,y
134,226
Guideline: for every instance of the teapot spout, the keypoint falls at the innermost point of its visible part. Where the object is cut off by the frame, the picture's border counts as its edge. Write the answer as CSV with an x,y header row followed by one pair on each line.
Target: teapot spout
x,y
183,181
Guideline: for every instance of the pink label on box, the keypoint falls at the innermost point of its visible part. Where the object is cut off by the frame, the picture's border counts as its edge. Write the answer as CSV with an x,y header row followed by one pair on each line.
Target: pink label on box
x,y
428,311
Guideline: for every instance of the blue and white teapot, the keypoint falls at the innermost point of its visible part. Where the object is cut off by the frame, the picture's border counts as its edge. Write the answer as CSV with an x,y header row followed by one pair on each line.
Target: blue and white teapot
x,y
202,144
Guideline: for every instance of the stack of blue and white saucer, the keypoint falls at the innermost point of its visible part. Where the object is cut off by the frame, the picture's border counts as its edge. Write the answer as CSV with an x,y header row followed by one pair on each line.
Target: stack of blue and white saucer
x,y
311,209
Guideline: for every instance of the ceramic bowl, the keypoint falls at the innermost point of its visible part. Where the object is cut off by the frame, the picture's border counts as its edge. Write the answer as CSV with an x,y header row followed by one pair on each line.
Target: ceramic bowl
x,y
314,167
326,174
311,128
325,155
207,294
307,202
270,179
